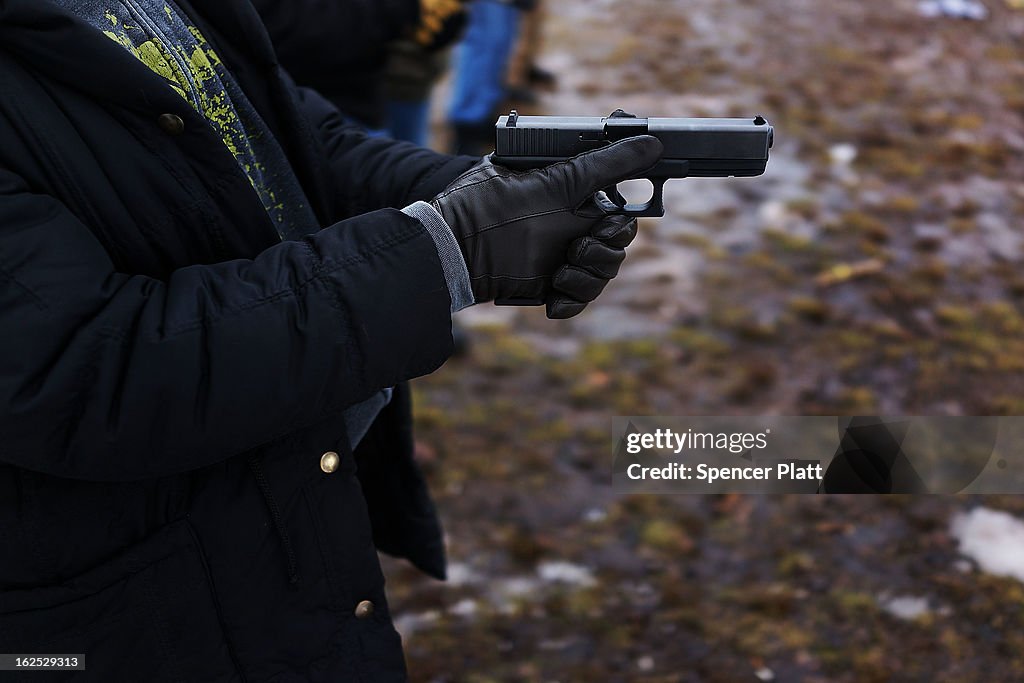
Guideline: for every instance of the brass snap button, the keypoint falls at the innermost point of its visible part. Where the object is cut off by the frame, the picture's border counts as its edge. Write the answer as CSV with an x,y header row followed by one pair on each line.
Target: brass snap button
x,y
364,609
172,124
329,462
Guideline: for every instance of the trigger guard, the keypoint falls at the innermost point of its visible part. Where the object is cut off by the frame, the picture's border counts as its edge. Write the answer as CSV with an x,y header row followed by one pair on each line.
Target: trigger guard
x,y
614,204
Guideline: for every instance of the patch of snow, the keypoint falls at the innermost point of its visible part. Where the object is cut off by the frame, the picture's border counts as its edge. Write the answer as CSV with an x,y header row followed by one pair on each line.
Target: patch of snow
x,y
773,214
842,154
566,572
957,9
464,608
993,539
907,607
461,574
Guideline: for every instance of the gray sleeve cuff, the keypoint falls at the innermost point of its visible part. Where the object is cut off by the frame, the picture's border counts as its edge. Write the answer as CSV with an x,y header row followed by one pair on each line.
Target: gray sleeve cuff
x,y
455,272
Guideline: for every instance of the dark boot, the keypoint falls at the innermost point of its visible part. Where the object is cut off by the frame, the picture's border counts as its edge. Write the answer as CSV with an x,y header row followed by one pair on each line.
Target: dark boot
x,y
540,77
521,95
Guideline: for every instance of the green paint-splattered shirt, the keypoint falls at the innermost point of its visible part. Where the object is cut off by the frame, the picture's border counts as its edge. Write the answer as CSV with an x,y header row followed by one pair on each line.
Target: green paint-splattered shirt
x,y
159,34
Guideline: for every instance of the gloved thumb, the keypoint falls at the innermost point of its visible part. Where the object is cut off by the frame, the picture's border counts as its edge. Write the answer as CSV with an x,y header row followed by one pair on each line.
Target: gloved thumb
x,y
597,169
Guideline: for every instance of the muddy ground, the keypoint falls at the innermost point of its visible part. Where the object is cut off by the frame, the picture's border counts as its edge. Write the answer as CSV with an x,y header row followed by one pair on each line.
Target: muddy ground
x,y
875,269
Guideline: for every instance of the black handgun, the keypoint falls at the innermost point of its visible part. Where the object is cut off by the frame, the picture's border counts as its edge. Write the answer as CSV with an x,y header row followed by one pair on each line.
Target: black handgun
x,y
715,148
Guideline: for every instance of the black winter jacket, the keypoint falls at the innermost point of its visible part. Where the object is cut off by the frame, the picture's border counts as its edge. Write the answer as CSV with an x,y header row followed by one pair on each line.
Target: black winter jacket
x,y
172,375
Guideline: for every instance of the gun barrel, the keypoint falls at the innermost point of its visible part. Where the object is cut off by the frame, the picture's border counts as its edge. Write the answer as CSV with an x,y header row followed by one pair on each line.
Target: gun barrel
x,y
705,147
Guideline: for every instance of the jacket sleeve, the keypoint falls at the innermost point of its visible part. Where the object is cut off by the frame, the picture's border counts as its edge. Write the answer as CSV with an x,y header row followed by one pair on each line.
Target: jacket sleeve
x,y
108,376
371,173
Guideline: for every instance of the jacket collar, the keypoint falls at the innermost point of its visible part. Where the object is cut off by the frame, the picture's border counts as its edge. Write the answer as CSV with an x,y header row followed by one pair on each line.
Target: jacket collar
x,y
63,47
54,42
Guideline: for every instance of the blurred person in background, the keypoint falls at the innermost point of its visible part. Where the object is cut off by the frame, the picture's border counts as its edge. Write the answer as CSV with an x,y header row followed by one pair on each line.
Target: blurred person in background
x,y
343,50
409,79
525,73
214,291
481,71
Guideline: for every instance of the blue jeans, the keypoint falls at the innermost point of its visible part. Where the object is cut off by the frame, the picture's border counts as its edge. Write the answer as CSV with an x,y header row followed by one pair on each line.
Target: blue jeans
x,y
481,62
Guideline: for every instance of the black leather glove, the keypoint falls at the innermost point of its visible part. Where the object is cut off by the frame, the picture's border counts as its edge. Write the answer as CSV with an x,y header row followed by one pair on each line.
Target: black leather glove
x,y
544,235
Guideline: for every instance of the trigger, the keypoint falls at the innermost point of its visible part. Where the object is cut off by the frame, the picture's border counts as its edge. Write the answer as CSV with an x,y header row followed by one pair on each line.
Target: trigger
x,y
610,199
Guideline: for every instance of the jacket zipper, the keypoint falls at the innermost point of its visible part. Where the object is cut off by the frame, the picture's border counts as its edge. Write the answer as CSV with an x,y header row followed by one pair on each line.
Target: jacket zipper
x,y
278,519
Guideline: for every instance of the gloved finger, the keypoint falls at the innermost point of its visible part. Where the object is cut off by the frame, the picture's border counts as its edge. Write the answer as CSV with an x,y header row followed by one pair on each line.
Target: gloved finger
x,y
561,307
616,231
578,283
597,169
596,256
610,198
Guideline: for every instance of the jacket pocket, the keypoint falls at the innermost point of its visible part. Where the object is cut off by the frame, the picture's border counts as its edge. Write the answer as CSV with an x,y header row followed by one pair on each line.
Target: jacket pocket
x,y
148,614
